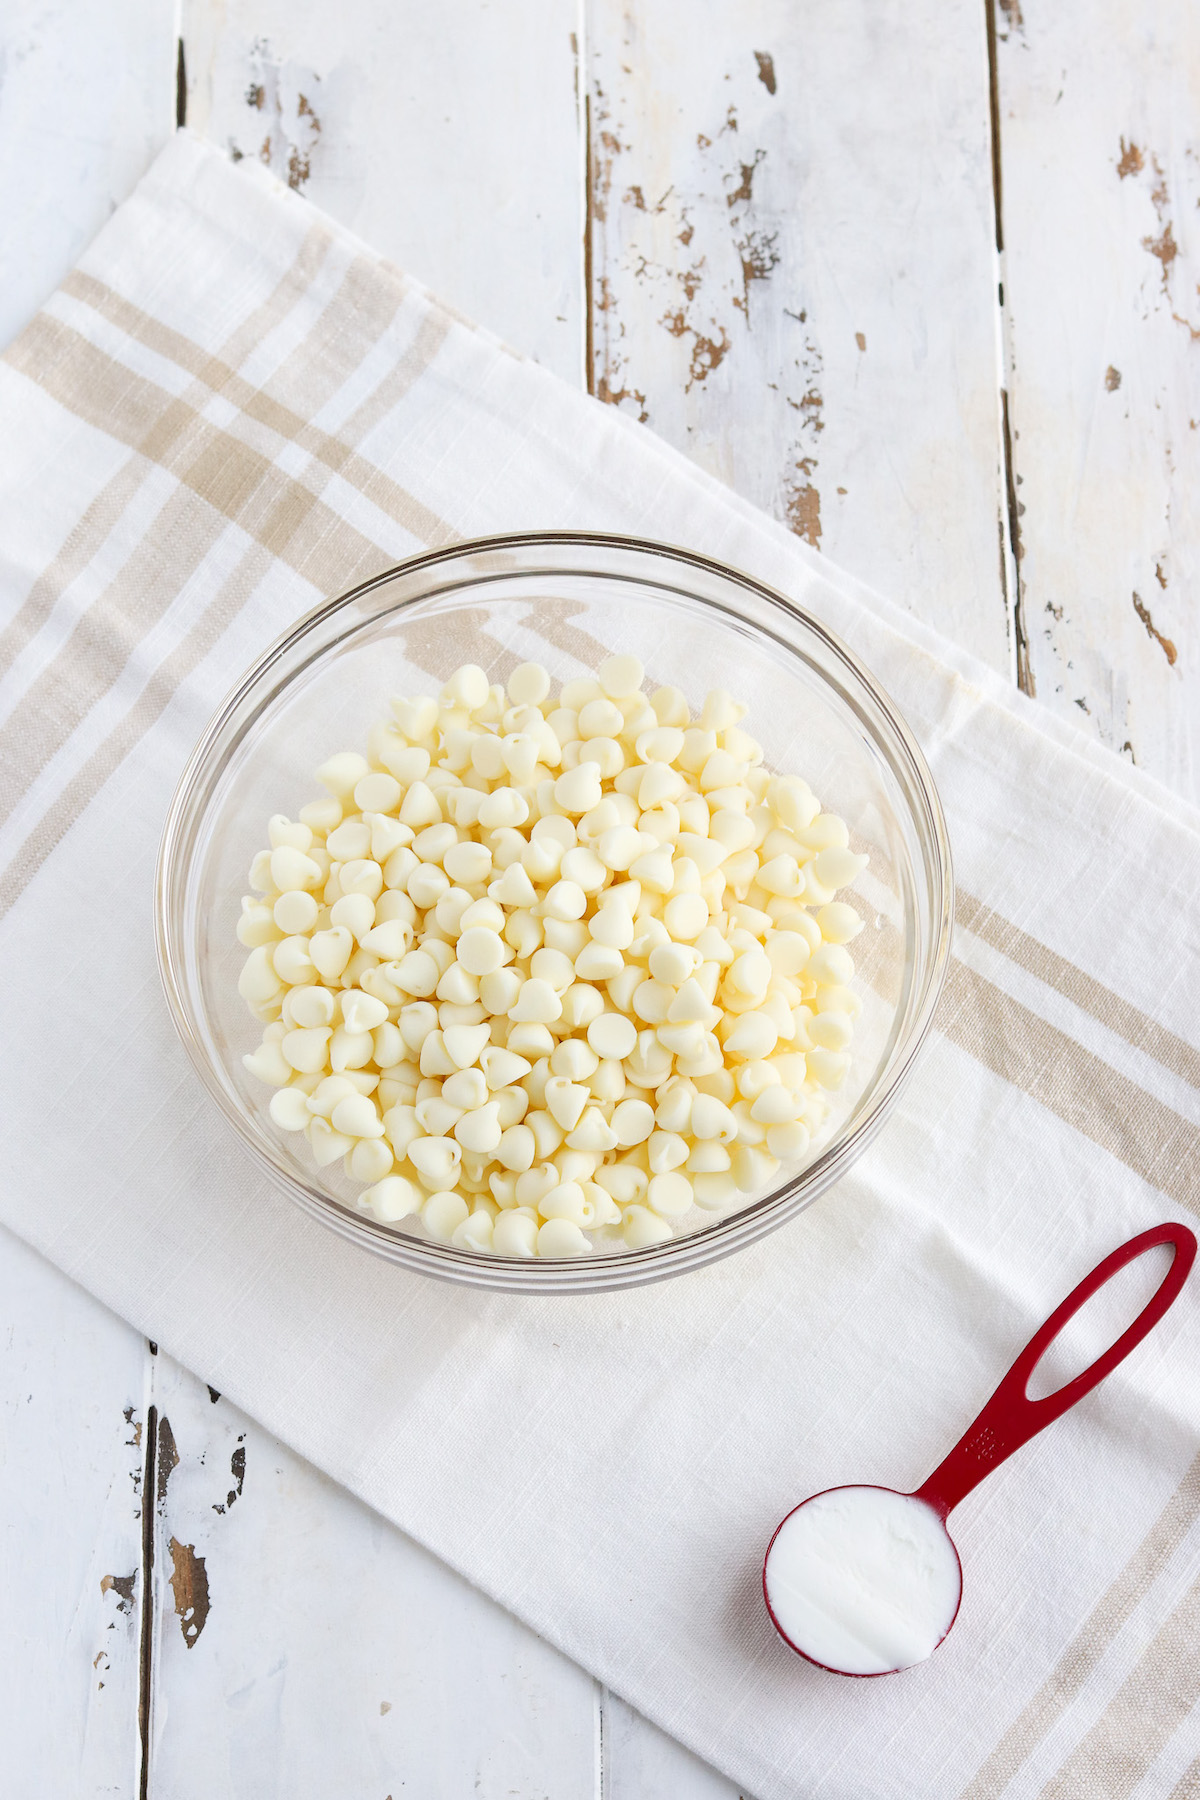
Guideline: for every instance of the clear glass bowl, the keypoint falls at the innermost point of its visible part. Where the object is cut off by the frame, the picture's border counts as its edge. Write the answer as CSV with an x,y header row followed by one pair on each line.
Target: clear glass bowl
x,y
566,600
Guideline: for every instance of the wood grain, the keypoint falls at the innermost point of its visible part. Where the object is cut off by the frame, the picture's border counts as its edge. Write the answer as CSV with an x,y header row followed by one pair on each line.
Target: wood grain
x,y
70,1542
793,275
1100,138
302,1646
447,136
87,99
768,230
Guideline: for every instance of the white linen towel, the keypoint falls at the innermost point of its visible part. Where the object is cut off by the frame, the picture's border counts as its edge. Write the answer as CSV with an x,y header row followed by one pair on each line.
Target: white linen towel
x,y
233,409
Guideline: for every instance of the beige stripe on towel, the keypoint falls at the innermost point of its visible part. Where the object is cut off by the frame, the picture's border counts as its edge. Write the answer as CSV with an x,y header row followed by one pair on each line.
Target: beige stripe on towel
x,y
1149,1707
1078,1661
1085,1092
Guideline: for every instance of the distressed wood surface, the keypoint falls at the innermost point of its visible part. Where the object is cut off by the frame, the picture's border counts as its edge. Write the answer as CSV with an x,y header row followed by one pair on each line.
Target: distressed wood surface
x,y
446,135
770,231
303,1647
1100,141
87,98
72,1399
793,275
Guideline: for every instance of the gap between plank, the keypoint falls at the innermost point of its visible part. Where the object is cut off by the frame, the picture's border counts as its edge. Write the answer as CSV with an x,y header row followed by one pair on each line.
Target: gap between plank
x,y
1010,526
146,1630
602,1770
583,106
589,323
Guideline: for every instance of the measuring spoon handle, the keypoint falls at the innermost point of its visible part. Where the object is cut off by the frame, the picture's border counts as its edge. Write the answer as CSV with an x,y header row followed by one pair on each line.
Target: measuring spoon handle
x,y
1010,1417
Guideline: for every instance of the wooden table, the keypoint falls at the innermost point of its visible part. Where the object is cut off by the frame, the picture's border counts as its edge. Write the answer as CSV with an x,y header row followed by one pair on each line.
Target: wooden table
x,y
920,279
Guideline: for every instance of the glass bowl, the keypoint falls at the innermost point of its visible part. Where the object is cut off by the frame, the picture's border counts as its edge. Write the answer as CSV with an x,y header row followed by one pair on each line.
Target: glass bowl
x,y
566,600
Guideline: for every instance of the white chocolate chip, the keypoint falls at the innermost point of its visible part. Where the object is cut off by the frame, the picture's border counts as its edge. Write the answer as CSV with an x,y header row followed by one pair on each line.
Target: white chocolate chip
x,y
505,873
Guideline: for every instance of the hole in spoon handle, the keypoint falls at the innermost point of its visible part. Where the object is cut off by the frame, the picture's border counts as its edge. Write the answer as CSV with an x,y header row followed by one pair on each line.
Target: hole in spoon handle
x,y
1010,1417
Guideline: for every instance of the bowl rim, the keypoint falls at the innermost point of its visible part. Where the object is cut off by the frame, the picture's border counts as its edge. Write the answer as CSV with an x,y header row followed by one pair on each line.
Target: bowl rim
x,y
611,1270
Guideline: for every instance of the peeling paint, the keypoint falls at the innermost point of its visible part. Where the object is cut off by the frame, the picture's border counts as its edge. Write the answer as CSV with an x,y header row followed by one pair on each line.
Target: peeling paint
x,y
123,1586
766,69
189,1585
860,339
237,1468
168,1460
294,126
758,257
803,508
707,355
1112,379
1132,161
1165,643
616,396
744,190
1165,249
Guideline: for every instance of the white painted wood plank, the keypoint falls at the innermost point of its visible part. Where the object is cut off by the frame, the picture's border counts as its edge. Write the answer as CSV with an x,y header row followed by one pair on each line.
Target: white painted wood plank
x,y
446,135
71,1392
306,1648
1100,139
643,1763
87,98
794,276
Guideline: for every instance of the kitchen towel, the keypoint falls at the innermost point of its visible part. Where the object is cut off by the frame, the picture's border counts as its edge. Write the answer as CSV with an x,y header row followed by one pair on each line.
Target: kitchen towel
x,y
233,409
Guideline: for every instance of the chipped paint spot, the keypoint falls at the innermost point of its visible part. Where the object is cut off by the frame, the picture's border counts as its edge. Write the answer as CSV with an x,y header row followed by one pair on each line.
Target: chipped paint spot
x,y
1165,249
300,160
766,69
758,256
707,355
744,190
1014,18
123,1587
617,396
168,1460
860,339
634,196
277,91
1132,161
189,1584
385,1706
237,1468
1143,613
1112,379
1159,576
136,1425
804,508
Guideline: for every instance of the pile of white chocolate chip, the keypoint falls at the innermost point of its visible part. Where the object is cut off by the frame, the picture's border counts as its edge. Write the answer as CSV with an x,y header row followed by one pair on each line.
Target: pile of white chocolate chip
x,y
550,974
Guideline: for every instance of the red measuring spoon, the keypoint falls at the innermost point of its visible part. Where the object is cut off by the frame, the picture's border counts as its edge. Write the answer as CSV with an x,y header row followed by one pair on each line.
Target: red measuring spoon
x,y
866,1580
